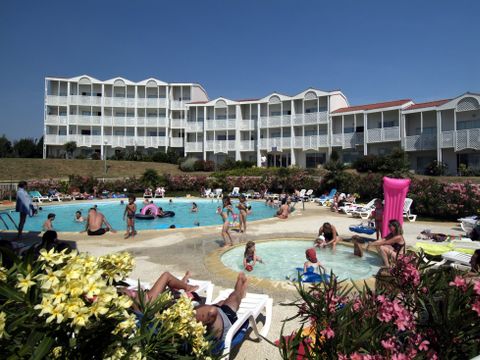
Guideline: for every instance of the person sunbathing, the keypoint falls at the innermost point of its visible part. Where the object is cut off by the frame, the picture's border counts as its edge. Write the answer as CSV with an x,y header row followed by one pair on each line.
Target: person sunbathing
x,y
392,244
219,317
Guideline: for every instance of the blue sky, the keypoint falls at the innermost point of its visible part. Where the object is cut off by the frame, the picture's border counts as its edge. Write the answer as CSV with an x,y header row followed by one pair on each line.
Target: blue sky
x,y
371,50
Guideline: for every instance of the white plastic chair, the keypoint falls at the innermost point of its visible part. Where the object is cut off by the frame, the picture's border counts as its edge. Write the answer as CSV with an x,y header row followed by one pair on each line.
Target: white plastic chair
x,y
406,210
37,196
250,309
235,192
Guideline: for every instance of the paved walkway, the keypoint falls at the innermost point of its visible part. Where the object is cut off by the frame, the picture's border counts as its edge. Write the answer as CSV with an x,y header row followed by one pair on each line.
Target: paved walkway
x,y
177,250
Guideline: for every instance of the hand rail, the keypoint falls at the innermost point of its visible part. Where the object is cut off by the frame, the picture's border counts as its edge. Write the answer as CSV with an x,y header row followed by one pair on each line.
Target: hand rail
x,y
9,218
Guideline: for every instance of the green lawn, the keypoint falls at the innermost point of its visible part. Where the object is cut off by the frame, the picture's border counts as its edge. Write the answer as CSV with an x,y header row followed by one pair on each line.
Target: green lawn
x,y
27,169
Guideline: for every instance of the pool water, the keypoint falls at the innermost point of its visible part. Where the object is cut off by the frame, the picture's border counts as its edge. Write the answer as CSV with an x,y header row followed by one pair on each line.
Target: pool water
x,y
113,211
281,257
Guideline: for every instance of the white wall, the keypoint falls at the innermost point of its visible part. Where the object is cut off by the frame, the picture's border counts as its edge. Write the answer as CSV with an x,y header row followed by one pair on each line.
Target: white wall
x,y
337,102
197,94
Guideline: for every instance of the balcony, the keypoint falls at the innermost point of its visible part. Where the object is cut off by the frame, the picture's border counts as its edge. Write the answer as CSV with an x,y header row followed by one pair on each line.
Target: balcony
x,y
275,121
51,139
176,142
220,124
220,146
56,120
86,140
57,100
311,142
194,146
151,141
467,139
447,139
383,134
275,144
337,139
116,101
247,124
152,102
119,141
85,120
178,123
247,145
193,126
177,105
420,142
85,100
286,120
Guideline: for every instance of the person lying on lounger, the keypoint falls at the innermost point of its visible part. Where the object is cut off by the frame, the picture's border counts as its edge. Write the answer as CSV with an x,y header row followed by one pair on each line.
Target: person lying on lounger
x,y
95,221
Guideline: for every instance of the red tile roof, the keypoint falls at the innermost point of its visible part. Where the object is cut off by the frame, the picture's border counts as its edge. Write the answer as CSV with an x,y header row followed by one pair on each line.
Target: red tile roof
x,y
428,104
381,105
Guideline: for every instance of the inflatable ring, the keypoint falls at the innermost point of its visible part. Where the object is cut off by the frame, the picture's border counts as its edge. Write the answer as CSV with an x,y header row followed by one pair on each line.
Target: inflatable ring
x,y
150,209
312,277
144,217
167,214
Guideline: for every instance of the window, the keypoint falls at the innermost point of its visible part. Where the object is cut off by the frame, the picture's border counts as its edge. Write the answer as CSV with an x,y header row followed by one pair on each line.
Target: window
x,y
473,124
86,113
231,137
287,112
85,132
314,159
310,110
275,113
221,137
348,130
390,123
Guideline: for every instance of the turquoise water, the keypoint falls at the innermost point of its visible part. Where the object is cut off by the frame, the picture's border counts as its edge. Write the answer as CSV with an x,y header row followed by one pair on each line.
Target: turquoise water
x,y
184,218
282,257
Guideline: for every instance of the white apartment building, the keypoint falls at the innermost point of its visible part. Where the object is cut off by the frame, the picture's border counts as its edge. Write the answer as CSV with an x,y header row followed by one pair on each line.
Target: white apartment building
x,y
303,129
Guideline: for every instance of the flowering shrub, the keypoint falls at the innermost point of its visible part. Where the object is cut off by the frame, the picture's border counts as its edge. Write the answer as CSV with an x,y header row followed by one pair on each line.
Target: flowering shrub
x,y
185,182
433,314
64,305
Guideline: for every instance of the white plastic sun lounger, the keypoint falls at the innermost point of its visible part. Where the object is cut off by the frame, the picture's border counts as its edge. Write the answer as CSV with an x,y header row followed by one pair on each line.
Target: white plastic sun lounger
x,y
457,257
250,309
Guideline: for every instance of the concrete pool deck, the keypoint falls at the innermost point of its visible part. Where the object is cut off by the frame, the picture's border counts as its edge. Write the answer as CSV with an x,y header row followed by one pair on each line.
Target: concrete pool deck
x,y
196,249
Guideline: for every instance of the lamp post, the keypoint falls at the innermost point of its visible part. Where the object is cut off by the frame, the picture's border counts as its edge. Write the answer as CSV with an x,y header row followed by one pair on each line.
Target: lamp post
x,y
105,157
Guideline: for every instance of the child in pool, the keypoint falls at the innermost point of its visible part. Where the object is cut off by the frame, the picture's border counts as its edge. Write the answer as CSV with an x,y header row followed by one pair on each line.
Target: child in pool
x,y
48,224
194,207
129,212
250,256
312,261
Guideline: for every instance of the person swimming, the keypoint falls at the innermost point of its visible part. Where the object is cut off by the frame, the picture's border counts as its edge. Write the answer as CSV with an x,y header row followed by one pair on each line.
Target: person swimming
x,y
79,217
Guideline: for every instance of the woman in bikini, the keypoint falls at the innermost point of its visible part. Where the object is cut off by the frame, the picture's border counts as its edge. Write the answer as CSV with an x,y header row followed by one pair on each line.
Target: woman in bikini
x,y
243,208
393,243
224,212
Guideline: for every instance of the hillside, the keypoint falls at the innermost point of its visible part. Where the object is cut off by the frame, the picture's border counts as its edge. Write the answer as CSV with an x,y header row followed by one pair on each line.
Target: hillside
x,y
26,169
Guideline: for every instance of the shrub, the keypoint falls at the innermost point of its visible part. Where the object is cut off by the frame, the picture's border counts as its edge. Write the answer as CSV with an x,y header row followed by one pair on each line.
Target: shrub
x,y
185,182
150,178
421,313
436,168
204,165
463,170
367,163
188,164
334,165
95,156
66,306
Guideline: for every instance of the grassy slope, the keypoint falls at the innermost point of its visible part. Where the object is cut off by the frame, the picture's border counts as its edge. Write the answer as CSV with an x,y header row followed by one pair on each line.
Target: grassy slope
x,y
19,169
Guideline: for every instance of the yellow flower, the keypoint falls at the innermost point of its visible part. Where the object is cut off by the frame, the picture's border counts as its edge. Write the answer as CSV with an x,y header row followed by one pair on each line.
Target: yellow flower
x,y
45,306
97,309
56,352
58,295
72,307
24,282
56,313
51,257
3,317
124,302
3,274
81,317
50,279
125,327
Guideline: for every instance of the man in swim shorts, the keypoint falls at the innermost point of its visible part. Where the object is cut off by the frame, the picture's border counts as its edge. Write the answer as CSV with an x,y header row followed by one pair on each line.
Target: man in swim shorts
x,y
95,220
220,317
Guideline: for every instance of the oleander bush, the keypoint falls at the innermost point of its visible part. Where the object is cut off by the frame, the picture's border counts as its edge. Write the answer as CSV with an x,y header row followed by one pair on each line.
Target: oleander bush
x,y
421,313
188,165
64,305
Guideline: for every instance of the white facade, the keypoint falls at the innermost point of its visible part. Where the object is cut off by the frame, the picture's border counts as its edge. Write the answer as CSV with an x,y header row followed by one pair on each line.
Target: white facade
x,y
302,130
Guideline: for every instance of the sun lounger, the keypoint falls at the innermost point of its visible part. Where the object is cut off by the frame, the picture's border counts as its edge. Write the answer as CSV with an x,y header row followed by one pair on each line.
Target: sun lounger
x,y
308,195
406,210
37,196
457,257
468,223
218,193
250,309
207,193
235,192
349,208
323,199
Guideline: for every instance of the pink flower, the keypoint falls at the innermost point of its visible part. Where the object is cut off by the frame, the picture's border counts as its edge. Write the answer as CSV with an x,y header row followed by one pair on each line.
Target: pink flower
x,y
424,345
328,332
476,287
342,356
459,282
356,356
399,356
476,307
388,344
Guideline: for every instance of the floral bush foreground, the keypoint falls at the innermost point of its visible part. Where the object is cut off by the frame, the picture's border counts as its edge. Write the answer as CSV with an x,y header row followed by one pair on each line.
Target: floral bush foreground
x,y
421,313
64,305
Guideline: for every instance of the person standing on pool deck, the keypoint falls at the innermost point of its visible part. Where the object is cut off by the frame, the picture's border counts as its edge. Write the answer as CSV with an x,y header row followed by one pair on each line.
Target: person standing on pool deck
x,y
224,212
129,212
95,220
242,207
24,206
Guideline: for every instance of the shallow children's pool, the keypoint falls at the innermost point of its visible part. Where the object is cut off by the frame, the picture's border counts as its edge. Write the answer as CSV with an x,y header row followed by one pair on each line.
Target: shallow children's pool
x,y
281,257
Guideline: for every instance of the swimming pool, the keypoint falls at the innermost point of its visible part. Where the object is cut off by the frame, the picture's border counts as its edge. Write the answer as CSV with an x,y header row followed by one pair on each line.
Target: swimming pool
x,y
281,257
184,218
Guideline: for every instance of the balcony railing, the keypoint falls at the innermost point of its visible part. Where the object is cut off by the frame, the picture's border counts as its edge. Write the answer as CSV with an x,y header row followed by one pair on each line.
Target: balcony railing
x,y
337,139
420,142
275,143
383,134
310,142
193,126
151,141
178,123
57,100
85,120
85,100
194,146
447,139
177,105
176,142
51,139
115,101
86,140
220,124
247,124
220,146
247,145
467,139
56,120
